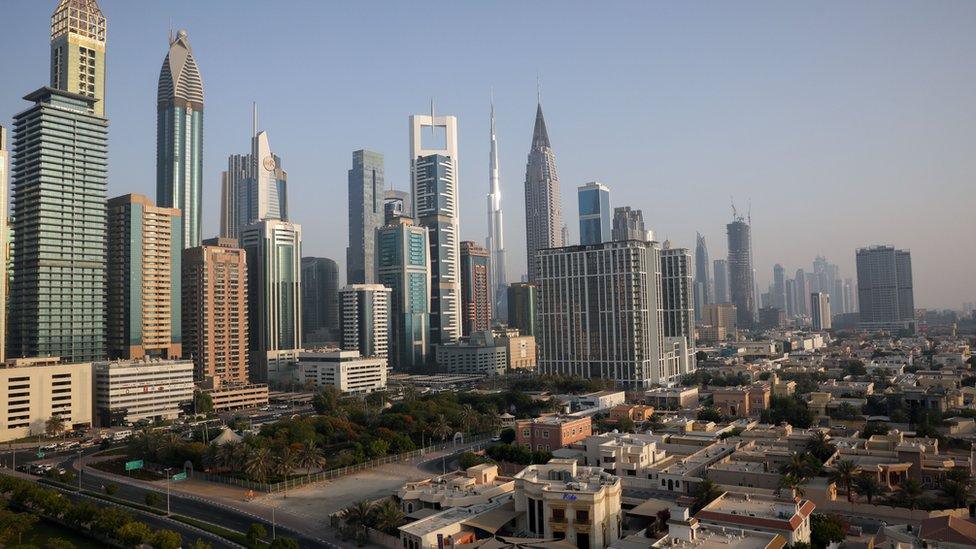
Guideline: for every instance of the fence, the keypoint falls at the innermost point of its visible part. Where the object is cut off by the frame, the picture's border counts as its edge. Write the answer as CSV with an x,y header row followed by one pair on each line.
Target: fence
x,y
298,481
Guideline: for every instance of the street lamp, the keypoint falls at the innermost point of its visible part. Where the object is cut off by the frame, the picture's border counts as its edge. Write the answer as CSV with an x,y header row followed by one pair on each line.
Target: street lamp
x,y
168,477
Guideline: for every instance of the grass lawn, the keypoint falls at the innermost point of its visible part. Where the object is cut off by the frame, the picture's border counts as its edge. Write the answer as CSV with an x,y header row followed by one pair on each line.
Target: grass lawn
x,y
117,467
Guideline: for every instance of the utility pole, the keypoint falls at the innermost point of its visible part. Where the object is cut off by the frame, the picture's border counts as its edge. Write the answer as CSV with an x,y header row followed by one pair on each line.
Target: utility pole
x,y
168,477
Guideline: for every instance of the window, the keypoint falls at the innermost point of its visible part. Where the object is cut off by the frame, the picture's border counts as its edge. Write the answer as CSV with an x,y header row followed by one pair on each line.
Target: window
x,y
545,434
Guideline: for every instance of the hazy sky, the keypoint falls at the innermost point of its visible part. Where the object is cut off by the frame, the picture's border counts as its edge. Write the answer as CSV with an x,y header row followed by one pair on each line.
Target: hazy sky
x,y
845,123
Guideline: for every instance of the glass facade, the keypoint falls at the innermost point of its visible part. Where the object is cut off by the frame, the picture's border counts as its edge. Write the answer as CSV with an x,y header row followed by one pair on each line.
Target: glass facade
x,y
595,217
366,195
402,264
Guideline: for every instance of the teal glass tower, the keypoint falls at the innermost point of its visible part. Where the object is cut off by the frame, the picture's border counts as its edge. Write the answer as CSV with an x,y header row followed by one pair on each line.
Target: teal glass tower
x,y
595,217
403,264
57,292
179,137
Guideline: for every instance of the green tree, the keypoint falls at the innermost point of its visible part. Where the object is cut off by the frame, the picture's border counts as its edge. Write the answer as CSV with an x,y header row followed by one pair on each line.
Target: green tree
x,y
507,436
200,544
310,457
868,486
284,543
259,464
793,483
705,493
166,539
957,492
845,472
133,534
709,414
326,400
14,525
358,515
255,533
152,499
912,491
388,516
625,425
202,403
58,543
111,488
825,529
54,426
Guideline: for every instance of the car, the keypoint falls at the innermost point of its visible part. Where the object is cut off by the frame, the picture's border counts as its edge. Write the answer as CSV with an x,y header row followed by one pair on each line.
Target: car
x,y
49,447
496,439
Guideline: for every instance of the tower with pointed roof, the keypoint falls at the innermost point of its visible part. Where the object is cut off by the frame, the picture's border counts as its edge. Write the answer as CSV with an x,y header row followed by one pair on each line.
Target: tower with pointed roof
x,y
496,235
179,137
543,207
78,35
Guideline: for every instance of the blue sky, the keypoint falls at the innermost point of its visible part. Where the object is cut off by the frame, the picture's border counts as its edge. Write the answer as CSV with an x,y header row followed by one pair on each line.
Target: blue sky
x,y
845,123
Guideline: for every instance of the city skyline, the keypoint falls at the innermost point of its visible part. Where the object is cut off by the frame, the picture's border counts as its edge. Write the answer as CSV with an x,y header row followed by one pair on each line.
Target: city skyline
x,y
742,126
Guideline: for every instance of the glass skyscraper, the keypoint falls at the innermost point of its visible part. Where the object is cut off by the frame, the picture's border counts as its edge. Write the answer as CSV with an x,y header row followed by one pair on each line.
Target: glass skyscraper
x,y
595,217
403,265
320,295
366,198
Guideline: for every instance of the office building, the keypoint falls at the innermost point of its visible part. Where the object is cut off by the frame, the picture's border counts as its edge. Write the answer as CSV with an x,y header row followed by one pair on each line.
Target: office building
x,y
215,311
37,389
236,396
721,318
495,242
476,305
801,285
274,275
254,187
179,137
820,310
521,307
677,305
595,222
742,292
57,292
521,349
364,319
403,265
402,198
129,391
721,280
78,37
778,291
886,300
366,198
320,300
628,224
345,370
543,205
600,313
850,295
480,354
704,292
4,241
433,175
145,244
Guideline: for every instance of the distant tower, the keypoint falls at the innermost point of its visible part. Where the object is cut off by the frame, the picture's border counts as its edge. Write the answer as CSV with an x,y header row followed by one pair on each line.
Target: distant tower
x,y
703,279
721,271
403,264
595,222
320,300
543,207
179,137
820,310
741,285
366,198
475,288
884,288
628,224
364,320
779,288
78,33
496,234
802,288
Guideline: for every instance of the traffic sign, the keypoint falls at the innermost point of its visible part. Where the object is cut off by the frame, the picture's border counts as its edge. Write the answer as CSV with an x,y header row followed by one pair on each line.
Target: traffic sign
x,y
40,454
179,476
132,465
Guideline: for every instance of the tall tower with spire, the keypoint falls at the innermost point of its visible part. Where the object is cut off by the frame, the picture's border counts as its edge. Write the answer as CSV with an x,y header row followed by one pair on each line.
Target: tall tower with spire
x,y
703,277
78,35
496,234
179,137
543,206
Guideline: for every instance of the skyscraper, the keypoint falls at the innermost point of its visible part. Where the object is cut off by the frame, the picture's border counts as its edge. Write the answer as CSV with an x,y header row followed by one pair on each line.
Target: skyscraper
x,y
543,205
677,306
628,224
741,281
320,300
790,298
403,265
179,137
495,243
521,307
595,221
366,198
475,288
364,319
145,244
78,37
703,279
274,271
884,288
433,174
215,316
820,310
403,198
721,269
779,288
802,289
57,293
4,191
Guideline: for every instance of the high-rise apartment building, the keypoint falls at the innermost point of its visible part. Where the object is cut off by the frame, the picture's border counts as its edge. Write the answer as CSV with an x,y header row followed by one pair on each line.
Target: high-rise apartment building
x,y
677,305
790,287
320,300
543,205
274,275
885,292
476,305
820,310
57,293
364,319
495,242
595,222
720,268
366,198
403,265
720,315
434,177
4,192
78,38
703,279
521,307
145,244
179,137
628,224
600,315
741,276
215,311
778,291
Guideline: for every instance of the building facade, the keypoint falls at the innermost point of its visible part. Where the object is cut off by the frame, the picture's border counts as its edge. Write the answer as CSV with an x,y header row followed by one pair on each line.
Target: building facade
x,y
364,319
543,205
741,276
495,242
595,221
35,390
548,433
476,300
820,310
366,198
78,40
179,137
473,355
628,224
129,391
145,297
215,311
677,304
704,291
344,370
521,307
320,300
403,265
4,239
886,299
720,268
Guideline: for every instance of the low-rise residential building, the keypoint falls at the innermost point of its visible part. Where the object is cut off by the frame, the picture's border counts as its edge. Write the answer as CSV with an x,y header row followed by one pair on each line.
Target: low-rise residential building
x,y
742,401
476,485
344,370
623,454
566,501
133,390
36,389
638,413
672,398
598,401
551,432
789,518
847,388
687,531
520,349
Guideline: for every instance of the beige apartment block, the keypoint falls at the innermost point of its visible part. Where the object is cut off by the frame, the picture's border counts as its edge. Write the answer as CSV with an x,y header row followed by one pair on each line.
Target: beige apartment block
x,y
34,390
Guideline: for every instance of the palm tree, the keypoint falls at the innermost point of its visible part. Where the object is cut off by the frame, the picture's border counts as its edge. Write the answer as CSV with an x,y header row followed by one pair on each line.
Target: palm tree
x,y
705,493
868,486
227,454
358,515
310,457
793,483
388,516
820,446
491,422
845,472
956,491
912,491
440,428
284,463
54,426
259,463
797,465
467,417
